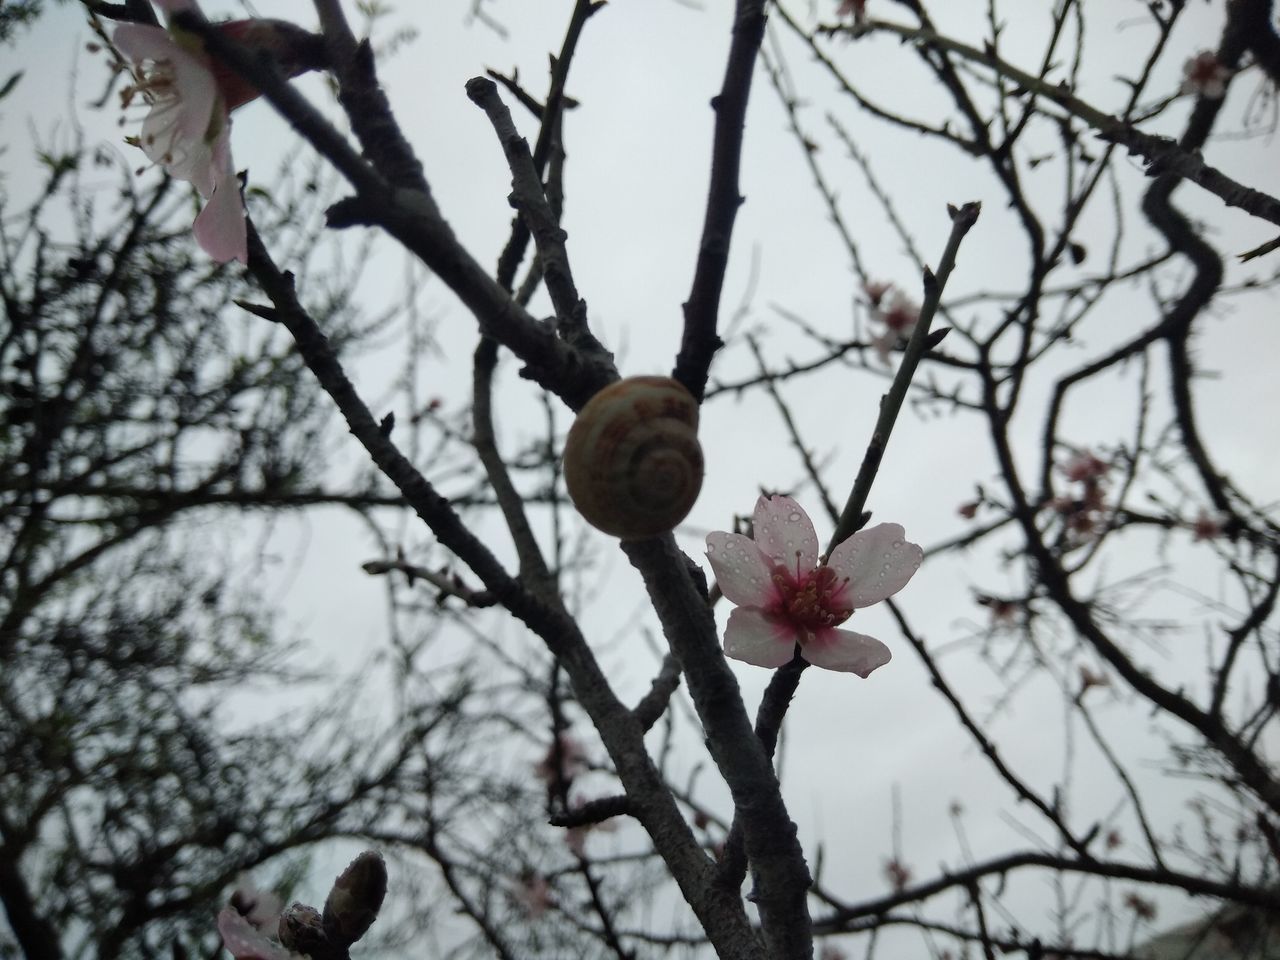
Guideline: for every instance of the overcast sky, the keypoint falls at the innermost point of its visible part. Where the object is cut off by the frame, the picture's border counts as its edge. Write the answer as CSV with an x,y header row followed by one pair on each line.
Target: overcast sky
x,y
636,178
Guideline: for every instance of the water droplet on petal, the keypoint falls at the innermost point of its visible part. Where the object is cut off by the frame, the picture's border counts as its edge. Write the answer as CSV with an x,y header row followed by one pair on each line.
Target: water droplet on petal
x,y
711,548
897,544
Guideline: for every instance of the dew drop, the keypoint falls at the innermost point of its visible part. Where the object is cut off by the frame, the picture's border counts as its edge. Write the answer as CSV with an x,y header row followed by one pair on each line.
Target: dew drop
x,y
897,544
794,517
711,548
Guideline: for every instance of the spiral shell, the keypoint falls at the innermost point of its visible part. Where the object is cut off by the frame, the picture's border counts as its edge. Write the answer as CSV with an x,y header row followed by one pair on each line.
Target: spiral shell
x,y
632,462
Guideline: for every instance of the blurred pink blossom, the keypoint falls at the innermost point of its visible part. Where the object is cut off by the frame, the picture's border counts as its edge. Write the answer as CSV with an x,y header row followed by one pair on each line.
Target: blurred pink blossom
x,y
899,317
1084,466
565,759
786,597
534,894
853,8
876,290
246,942
898,874
1092,678
1206,527
1204,76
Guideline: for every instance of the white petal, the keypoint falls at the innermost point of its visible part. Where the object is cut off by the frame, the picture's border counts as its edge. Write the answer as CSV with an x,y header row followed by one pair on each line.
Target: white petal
x,y
846,651
785,533
182,159
740,569
751,638
878,563
198,91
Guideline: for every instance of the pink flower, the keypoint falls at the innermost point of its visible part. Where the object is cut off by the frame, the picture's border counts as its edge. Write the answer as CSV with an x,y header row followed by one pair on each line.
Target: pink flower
x,y
854,8
875,289
1092,678
1206,527
898,874
188,130
1142,908
899,317
245,942
564,760
1084,467
533,894
786,597
1002,610
1205,76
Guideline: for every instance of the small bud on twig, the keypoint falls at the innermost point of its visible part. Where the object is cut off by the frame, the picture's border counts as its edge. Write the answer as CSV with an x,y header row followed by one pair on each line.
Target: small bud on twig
x,y
356,898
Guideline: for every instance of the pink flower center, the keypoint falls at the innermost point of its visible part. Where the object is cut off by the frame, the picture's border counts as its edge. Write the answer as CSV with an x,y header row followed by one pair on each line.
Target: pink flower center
x,y
1204,69
811,600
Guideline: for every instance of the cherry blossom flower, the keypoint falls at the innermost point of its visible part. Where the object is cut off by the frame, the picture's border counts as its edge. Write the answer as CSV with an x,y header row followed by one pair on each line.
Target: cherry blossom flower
x,y
1092,678
1204,76
786,597
1002,609
876,290
564,760
899,316
853,8
533,893
245,941
188,129
898,874
1142,908
1084,466
1206,527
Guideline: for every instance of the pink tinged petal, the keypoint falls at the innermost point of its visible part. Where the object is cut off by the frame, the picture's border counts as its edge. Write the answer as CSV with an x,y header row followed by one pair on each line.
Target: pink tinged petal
x,y
220,228
245,942
878,563
846,651
884,344
741,570
784,532
751,638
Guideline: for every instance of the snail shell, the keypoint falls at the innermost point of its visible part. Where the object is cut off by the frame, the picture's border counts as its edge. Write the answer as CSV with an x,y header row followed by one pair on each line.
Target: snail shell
x,y
632,461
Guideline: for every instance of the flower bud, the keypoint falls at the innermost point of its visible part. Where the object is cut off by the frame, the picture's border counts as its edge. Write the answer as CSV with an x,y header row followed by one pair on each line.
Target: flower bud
x,y
301,930
355,899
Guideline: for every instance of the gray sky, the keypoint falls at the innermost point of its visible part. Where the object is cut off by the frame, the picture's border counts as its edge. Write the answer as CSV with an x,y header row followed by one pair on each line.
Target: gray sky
x,y
636,180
